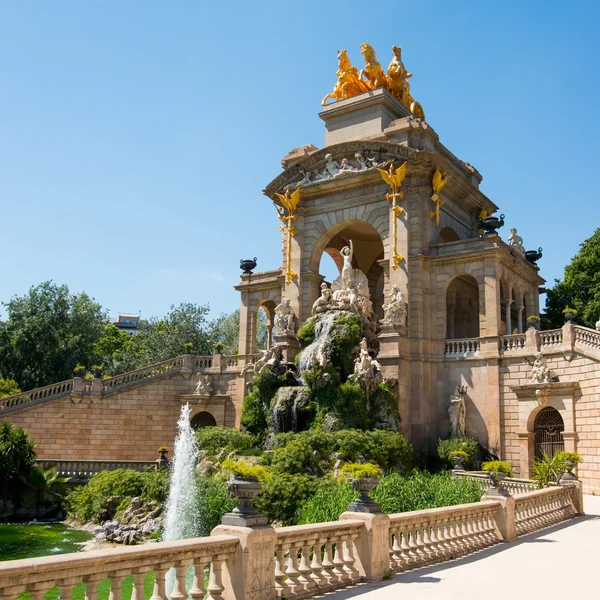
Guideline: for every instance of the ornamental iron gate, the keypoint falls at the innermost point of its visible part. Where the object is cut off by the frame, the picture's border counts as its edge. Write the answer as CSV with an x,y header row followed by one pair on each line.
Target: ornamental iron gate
x,y
548,429
203,419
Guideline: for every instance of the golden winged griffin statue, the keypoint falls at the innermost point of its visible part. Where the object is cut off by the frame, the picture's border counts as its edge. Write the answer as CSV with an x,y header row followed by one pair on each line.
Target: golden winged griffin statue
x,y
351,83
287,214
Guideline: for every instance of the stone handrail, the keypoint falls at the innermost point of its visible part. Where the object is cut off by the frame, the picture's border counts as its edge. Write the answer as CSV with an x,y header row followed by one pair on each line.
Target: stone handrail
x,y
145,374
426,537
83,469
510,343
542,508
311,559
230,360
513,485
587,337
37,396
464,347
202,362
552,337
38,575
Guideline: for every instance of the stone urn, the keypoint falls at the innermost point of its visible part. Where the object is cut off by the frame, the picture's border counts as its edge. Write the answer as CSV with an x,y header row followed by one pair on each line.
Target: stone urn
x,y
492,224
245,489
497,488
533,255
247,264
569,316
533,324
568,475
365,504
458,463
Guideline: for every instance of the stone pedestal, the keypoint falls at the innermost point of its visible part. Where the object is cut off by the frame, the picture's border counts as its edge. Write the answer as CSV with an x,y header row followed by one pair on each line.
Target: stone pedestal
x,y
372,544
505,517
290,346
251,571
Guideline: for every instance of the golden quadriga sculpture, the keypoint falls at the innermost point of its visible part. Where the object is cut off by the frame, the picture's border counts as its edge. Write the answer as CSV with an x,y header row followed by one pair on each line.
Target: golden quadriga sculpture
x,y
351,83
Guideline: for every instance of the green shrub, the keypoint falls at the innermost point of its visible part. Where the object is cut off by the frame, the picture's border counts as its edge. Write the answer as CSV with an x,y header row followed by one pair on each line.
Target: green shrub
x,y
383,409
17,457
390,450
84,502
421,490
241,468
572,456
9,387
215,439
295,457
327,504
352,443
497,466
306,333
466,444
360,471
548,469
212,501
284,494
461,453
351,406
346,333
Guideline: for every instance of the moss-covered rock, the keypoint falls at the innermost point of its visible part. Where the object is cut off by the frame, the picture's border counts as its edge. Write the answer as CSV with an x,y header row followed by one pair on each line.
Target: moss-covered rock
x,y
291,409
383,409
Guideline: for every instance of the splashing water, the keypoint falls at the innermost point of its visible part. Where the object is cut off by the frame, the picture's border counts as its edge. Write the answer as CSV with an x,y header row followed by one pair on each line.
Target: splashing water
x,y
181,514
322,329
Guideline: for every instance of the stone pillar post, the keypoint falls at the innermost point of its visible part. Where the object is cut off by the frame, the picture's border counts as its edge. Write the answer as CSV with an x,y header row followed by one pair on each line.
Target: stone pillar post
x,y
372,544
187,366
526,449
250,572
492,299
269,336
520,309
568,335
576,495
216,361
507,316
97,388
505,520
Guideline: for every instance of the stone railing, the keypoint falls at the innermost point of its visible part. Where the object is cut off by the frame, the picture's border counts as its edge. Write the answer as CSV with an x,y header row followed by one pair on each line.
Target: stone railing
x,y
37,396
542,508
461,348
311,559
142,375
511,343
552,337
513,485
425,537
38,575
83,469
230,360
202,362
587,337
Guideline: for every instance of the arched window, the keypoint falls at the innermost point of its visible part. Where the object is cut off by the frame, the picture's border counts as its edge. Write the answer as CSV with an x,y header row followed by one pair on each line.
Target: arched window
x,y
462,308
203,419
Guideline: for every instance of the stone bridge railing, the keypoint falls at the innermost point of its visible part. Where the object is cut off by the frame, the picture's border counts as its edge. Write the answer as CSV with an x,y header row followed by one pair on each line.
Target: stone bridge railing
x,y
513,485
78,388
301,561
84,469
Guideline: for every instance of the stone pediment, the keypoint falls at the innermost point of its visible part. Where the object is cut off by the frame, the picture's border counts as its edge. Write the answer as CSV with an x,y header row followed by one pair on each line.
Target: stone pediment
x,y
378,152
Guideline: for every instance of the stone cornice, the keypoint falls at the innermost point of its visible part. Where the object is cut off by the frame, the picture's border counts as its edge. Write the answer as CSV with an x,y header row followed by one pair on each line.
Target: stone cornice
x,y
531,390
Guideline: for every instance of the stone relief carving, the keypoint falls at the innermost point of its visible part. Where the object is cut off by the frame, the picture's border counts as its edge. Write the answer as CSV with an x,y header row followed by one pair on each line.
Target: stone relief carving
x,y
394,312
540,373
457,412
284,318
203,385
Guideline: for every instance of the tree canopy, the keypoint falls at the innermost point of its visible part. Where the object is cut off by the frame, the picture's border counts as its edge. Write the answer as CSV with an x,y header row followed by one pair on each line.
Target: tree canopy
x,y
580,287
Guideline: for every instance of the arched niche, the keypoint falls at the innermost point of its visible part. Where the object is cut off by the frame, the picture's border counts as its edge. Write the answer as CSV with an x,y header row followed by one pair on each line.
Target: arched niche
x,y
203,419
268,308
447,234
462,308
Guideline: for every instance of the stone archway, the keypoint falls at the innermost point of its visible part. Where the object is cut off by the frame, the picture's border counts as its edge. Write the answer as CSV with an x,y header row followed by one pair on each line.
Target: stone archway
x,y
548,428
447,234
203,419
462,308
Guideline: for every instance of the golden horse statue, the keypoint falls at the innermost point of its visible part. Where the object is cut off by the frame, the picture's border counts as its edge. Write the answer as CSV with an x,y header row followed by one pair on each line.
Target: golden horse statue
x,y
348,84
398,86
372,71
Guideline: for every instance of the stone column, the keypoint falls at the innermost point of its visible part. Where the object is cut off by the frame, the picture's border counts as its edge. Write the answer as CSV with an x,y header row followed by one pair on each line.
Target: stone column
x,y
492,299
507,316
520,309
269,336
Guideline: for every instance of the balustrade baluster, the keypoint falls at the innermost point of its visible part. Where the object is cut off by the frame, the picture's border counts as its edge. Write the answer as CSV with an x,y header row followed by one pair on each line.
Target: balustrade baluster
x,y
179,592
198,590
328,566
280,576
338,564
420,557
137,593
292,570
304,570
37,591
434,547
316,567
65,587
396,549
412,545
349,560
427,544
159,583
215,579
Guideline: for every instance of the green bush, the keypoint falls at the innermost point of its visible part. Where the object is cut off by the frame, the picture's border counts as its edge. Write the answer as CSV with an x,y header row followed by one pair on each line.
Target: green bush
x,y
215,439
352,443
284,494
212,501
572,456
306,333
497,466
383,409
295,457
327,504
9,387
391,450
351,406
241,468
466,444
84,502
360,471
346,334
422,490
17,457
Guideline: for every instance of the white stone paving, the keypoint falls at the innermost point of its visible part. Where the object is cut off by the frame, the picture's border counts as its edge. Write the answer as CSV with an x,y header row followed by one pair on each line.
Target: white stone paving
x,y
559,562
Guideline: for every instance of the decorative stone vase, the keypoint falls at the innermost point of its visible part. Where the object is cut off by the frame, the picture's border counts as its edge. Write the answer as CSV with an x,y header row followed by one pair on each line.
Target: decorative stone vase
x,y
245,489
364,503
569,316
533,255
568,475
458,463
492,224
163,461
533,324
497,489
247,264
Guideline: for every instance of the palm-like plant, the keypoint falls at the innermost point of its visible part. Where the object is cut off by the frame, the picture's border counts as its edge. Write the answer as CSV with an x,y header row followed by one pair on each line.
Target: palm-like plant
x,y
39,484
548,469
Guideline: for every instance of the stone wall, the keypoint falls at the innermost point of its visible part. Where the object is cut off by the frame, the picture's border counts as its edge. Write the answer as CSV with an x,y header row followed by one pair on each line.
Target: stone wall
x,y
127,425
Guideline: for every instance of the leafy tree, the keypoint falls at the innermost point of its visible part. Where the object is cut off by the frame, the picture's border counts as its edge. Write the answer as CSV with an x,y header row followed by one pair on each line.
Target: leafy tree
x,y
110,345
580,287
226,329
9,387
17,456
48,331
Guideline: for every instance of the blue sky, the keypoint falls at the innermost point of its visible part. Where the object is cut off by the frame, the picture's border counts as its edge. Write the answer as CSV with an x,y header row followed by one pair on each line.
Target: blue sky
x,y
136,136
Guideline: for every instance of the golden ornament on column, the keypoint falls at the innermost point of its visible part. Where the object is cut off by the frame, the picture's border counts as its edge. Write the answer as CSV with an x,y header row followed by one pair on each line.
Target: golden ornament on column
x,y
289,202
439,181
394,180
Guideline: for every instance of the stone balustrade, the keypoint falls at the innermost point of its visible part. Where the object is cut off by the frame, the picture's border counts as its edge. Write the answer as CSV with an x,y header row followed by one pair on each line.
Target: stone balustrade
x,y
145,374
462,348
542,508
38,575
512,343
426,537
587,337
84,469
37,396
315,558
202,362
513,485
553,337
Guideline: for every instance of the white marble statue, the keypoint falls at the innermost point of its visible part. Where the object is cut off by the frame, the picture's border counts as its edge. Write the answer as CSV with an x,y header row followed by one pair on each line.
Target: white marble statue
x,y
394,312
540,373
345,167
362,161
324,302
347,252
516,241
284,317
367,371
331,169
304,177
457,413
203,385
